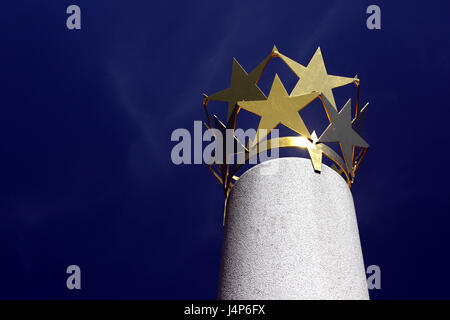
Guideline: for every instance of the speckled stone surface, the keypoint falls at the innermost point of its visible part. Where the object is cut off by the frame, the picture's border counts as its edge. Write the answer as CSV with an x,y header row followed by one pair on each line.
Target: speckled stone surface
x,y
291,233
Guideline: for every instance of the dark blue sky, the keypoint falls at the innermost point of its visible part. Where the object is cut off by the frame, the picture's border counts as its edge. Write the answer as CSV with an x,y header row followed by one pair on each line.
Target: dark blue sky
x,y
86,118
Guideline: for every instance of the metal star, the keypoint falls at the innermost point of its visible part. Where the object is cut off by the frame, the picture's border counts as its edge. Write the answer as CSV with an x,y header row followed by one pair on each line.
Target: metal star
x,y
340,130
314,77
243,86
279,108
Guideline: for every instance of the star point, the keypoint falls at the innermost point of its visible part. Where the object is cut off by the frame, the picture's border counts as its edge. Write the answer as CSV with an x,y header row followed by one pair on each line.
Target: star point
x,y
315,154
275,52
358,122
340,130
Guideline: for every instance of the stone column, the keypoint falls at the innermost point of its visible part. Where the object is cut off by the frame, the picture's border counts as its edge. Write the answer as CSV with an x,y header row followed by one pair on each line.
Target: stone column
x,y
291,233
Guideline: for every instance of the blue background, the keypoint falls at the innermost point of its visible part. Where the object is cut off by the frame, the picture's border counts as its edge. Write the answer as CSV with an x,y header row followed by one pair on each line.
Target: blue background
x,y
86,118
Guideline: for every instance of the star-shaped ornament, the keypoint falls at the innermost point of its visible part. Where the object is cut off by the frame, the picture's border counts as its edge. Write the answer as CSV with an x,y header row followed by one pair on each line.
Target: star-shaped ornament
x,y
243,86
340,130
314,77
279,108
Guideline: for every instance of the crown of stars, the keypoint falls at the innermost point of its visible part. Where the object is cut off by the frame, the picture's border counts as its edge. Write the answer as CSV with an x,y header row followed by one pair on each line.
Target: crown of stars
x,y
281,107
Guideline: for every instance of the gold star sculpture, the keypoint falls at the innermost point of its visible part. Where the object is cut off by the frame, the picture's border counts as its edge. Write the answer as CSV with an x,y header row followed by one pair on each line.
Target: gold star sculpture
x,y
243,86
283,108
341,130
279,108
314,77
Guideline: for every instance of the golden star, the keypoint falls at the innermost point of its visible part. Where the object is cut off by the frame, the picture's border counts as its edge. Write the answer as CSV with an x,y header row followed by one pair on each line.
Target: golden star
x,y
314,77
341,130
243,86
279,108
